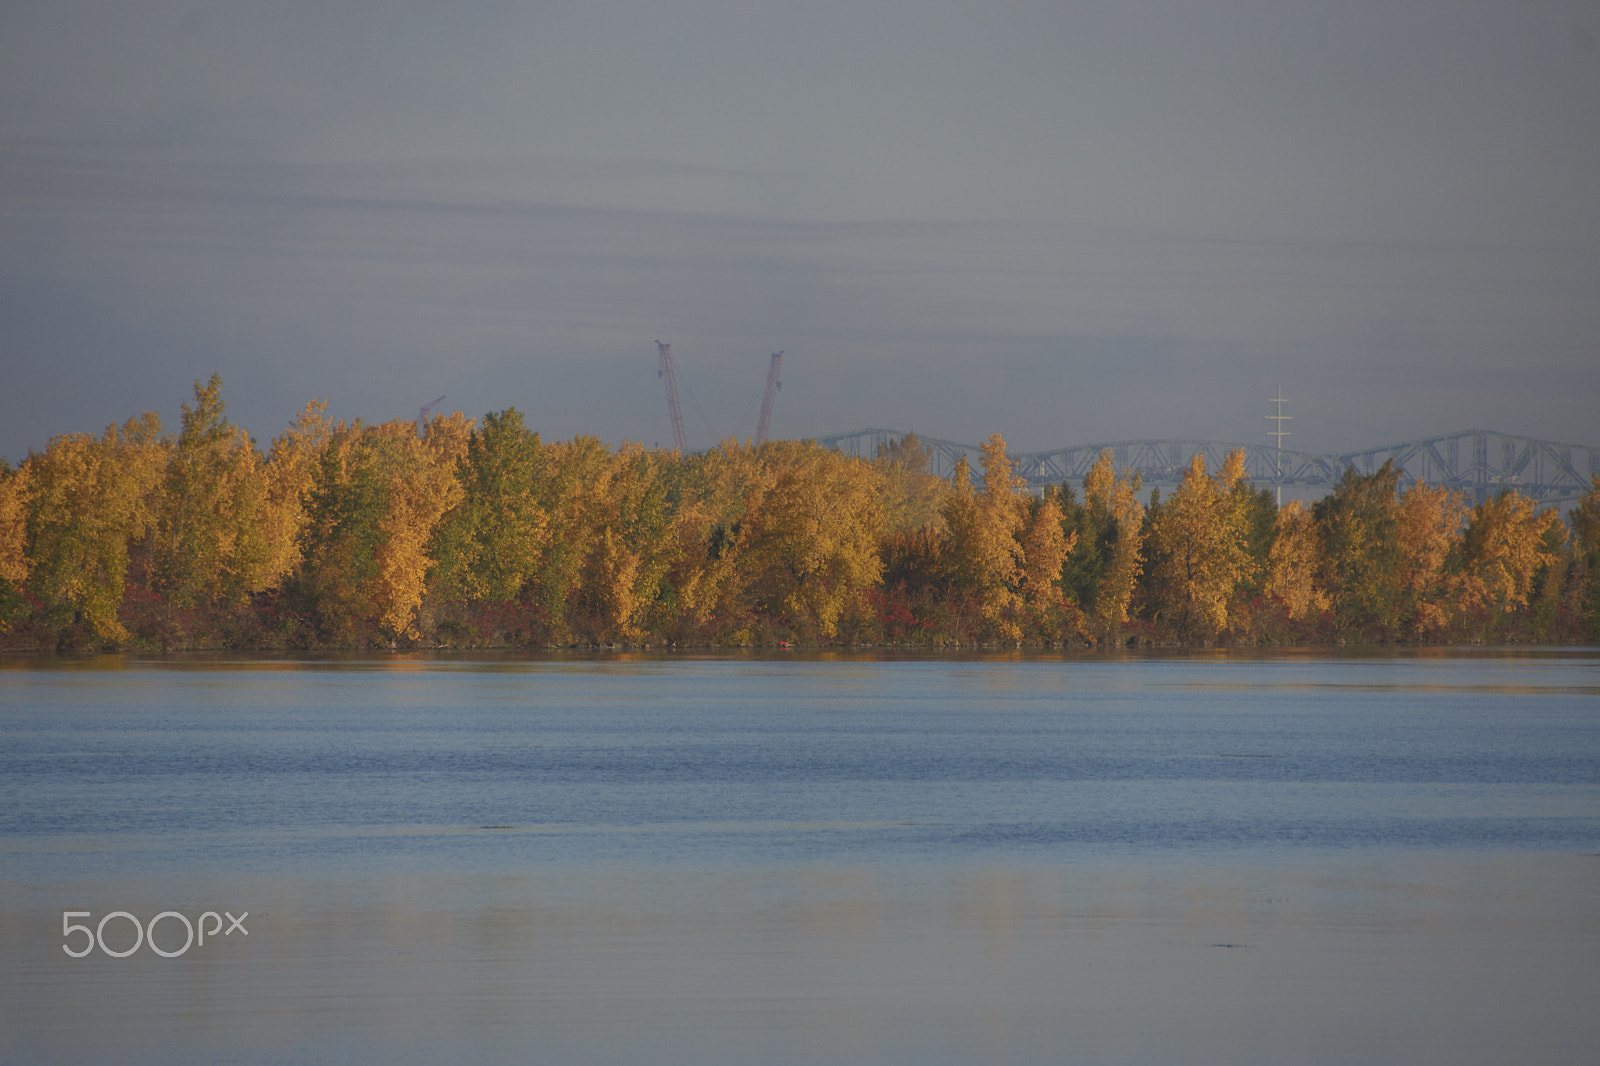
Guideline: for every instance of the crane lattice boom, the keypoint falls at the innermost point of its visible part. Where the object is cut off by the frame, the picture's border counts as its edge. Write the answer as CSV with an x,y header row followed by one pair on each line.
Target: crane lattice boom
x,y
773,385
422,417
669,375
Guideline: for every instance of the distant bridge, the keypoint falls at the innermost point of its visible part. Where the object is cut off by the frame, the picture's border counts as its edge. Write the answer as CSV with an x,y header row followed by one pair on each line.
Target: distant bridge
x,y
1476,463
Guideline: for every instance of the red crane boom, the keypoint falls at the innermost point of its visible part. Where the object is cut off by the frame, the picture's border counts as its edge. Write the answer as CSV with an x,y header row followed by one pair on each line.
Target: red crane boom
x,y
422,417
669,375
773,385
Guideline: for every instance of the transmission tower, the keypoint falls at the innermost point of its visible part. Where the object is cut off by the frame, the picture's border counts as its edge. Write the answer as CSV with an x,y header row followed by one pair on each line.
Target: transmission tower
x,y
1279,432
773,385
669,375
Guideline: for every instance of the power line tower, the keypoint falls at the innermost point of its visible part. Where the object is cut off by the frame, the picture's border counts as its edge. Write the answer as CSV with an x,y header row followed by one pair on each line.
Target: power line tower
x,y
1279,432
773,385
668,374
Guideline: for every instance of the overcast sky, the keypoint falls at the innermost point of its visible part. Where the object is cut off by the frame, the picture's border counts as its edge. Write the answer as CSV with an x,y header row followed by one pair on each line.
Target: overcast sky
x,y
1066,222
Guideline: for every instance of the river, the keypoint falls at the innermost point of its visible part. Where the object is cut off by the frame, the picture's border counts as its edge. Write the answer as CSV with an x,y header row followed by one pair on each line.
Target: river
x,y
1207,857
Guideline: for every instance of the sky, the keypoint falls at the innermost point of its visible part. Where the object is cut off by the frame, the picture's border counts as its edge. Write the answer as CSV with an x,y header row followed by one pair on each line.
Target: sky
x,y
1064,222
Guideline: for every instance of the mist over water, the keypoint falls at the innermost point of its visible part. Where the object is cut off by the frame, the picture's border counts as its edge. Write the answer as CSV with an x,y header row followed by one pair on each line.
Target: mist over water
x,y
1197,858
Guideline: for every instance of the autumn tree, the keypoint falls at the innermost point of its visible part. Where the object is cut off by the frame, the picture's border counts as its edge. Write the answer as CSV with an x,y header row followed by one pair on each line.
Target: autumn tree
x,y
633,548
422,487
1427,531
210,543
913,495
985,554
376,496
1202,539
288,473
15,492
90,500
710,493
1508,545
810,533
1045,549
573,482
1294,562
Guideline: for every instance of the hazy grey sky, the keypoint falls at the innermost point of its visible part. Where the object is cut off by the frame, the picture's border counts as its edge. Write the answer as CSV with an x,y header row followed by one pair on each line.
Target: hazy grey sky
x,y
1068,222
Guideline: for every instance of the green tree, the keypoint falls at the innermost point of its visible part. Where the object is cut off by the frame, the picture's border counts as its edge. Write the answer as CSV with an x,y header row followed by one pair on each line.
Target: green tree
x,y
1359,527
1586,549
1108,557
489,545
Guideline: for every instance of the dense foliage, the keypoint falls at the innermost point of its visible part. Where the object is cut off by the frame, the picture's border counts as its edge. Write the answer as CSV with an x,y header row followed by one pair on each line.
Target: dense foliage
x,y
482,534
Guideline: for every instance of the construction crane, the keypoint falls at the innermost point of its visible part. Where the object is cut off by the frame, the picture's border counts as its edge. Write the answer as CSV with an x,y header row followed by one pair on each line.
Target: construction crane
x,y
773,385
669,375
422,417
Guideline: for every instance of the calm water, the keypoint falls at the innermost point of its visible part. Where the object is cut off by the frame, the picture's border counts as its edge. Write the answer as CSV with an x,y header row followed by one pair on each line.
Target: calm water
x,y
1165,859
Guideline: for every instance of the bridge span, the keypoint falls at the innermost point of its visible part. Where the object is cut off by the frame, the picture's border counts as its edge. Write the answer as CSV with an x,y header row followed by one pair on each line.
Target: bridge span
x,y
1476,463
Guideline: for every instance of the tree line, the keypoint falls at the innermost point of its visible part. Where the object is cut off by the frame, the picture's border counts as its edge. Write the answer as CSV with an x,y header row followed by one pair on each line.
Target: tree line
x,y
479,534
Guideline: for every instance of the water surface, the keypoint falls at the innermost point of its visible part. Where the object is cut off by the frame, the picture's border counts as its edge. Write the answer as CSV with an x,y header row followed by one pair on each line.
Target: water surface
x,y
1184,858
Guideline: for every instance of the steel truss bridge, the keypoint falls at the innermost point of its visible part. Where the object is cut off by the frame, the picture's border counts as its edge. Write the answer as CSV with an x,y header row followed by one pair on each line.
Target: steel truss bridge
x,y
1476,463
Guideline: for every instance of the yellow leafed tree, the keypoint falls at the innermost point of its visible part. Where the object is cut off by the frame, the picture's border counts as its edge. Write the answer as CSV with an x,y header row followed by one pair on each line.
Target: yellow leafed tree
x,y
15,490
913,496
210,544
632,546
986,556
421,487
14,494
1293,562
1427,528
714,489
288,474
1508,542
809,536
1113,507
91,500
1045,548
375,498
1200,536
